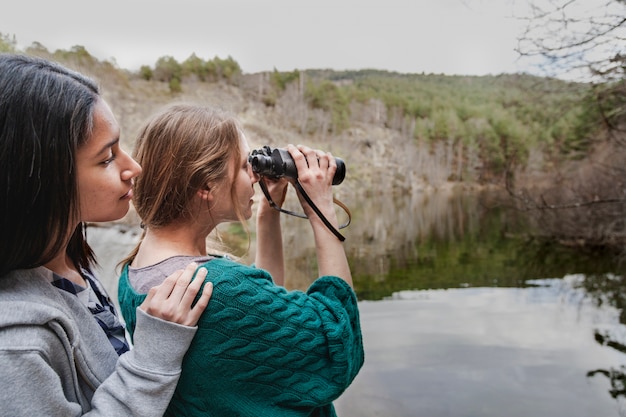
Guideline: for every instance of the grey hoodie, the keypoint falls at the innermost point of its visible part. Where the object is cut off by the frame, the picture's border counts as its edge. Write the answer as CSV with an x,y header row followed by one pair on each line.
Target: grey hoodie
x,y
55,360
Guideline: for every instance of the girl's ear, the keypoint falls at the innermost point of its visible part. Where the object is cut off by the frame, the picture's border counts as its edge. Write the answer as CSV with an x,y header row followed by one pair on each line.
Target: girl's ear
x,y
205,193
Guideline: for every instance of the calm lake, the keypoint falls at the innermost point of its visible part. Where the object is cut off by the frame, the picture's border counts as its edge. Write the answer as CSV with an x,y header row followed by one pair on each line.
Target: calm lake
x,y
460,318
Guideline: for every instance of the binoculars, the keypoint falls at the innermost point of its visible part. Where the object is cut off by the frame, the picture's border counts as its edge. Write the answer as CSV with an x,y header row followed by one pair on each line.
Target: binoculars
x,y
277,163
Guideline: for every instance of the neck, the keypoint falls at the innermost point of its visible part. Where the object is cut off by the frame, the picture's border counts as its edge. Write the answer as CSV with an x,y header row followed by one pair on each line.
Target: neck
x,y
63,266
164,242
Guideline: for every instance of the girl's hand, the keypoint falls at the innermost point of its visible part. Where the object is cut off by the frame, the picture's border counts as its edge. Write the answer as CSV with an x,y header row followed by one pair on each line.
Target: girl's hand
x,y
316,170
277,188
172,300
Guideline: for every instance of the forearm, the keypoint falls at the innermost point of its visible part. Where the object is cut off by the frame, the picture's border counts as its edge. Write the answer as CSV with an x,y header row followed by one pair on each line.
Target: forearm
x,y
142,383
145,378
316,170
269,252
331,256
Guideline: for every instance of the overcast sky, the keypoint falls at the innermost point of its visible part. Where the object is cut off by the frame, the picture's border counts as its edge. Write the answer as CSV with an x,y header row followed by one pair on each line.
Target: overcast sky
x,y
467,37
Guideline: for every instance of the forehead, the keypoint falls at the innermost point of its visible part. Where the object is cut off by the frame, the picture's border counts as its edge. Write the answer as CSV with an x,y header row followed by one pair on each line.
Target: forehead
x,y
243,144
104,120
105,130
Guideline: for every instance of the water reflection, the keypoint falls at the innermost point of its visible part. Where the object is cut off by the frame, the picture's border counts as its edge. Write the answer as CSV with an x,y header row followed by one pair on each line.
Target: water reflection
x,y
486,352
451,240
608,289
389,234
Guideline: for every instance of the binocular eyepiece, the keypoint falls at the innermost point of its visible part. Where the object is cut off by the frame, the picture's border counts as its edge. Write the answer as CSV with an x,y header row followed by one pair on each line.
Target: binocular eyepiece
x,y
277,163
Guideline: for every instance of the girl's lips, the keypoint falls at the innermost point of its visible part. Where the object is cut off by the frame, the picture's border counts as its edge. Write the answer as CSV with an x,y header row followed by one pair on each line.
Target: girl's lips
x,y
128,195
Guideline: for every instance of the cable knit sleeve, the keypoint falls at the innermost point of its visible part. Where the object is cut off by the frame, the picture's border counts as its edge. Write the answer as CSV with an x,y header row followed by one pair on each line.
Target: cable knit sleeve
x,y
339,313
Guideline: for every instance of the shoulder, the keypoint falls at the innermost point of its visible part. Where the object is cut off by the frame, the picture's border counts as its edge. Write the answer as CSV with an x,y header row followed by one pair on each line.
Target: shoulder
x,y
25,336
37,317
226,268
28,297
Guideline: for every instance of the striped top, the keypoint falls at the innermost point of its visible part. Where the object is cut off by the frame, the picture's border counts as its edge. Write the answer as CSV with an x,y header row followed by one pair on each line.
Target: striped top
x,y
96,299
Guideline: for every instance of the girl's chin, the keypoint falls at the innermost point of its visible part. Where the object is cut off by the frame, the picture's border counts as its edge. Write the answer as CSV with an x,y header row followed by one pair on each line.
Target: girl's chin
x,y
108,217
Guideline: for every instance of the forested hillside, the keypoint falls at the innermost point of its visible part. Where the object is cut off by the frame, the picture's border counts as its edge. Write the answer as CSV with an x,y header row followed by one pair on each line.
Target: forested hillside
x,y
551,143
429,128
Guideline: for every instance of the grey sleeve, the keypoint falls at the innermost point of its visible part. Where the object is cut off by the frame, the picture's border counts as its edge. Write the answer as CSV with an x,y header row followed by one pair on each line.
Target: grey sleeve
x,y
142,383
145,377
30,386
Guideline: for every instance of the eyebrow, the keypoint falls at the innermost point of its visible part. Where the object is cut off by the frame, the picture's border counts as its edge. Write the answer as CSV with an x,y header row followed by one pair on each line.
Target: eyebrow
x,y
108,145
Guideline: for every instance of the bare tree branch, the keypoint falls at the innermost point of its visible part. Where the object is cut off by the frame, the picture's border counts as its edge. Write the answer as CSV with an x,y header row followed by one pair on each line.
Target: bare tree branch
x,y
571,35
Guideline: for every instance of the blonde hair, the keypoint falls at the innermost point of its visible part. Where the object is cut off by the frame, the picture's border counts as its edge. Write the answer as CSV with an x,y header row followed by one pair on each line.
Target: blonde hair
x,y
181,150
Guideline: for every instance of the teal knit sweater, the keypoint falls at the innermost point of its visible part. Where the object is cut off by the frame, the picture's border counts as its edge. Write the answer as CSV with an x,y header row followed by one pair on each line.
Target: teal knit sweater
x,y
261,350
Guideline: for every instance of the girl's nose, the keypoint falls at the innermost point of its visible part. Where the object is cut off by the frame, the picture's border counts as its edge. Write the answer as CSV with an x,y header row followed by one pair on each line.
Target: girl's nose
x,y
131,169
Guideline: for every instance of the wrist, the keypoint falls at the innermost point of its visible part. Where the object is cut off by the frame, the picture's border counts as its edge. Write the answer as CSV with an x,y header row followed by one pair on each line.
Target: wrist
x,y
267,211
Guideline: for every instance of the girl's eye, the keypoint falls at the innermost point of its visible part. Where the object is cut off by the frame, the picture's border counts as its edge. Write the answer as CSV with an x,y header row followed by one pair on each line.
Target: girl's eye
x,y
110,159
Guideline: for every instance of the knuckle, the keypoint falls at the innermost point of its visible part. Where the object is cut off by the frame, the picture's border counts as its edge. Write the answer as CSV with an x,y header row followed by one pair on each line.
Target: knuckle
x,y
168,314
152,292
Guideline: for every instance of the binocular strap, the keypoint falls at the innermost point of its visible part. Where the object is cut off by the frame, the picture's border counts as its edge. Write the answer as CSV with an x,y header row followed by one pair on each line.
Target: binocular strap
x,y
313,206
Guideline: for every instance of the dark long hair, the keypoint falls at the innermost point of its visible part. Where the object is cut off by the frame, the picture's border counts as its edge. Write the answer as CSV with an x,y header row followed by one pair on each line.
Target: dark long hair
x,y
46,114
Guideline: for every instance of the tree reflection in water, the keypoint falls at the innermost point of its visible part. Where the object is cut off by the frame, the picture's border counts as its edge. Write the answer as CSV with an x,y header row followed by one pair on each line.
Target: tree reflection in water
x,y
455,240
609,289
